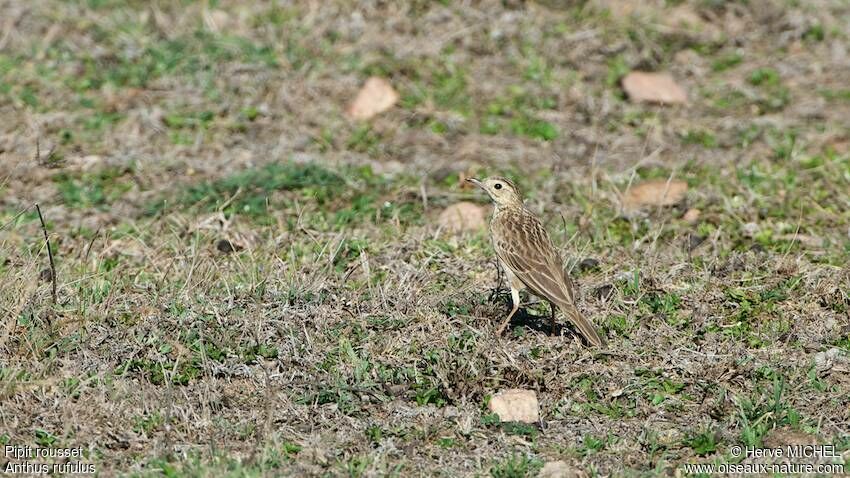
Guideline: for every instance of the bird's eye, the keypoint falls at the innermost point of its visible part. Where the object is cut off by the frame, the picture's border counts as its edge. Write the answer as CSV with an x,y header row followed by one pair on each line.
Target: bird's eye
x,y
498,186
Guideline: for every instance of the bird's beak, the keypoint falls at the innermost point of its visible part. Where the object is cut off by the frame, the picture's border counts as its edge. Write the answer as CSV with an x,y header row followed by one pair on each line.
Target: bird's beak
x,y
475,182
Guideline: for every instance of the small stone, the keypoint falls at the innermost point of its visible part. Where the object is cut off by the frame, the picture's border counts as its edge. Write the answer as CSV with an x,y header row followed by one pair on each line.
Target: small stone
x,y
226,247
687,21
694,241
463,216
376,96
559,469
807,240
516,405
658,192
604,292
653,88
588,264
621,8
785,436
692,215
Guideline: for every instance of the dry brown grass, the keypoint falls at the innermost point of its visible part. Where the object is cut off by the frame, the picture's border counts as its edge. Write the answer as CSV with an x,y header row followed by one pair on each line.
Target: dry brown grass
x,y
346,334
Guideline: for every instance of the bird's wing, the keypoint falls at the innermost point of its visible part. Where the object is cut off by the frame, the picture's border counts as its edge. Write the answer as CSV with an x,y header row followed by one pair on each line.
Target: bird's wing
x,y
526,248
524,245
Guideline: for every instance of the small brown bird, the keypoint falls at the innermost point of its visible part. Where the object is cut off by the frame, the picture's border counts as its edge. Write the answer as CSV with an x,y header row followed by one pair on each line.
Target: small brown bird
x,y
528,256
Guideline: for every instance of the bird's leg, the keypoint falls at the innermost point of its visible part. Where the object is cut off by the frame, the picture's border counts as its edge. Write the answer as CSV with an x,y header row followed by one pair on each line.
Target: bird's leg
x,y
552,317
515,300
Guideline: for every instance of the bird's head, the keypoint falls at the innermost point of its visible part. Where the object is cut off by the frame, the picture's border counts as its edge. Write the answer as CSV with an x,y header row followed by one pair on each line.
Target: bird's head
x,y
502,191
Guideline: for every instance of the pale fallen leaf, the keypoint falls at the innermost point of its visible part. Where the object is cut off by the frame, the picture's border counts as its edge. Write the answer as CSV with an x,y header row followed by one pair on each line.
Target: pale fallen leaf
x,y
825,360
750,229
559,469
658,192
692,215
217,20
85,163
463,216
653,88
516,405
376,96
669,436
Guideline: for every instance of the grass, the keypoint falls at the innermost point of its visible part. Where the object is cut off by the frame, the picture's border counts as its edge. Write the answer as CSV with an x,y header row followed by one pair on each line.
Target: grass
x,y
516,466
250,284
255,193
93,190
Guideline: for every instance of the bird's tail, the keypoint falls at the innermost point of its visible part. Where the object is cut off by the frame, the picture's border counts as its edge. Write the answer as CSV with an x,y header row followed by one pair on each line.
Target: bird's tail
x,y
584,326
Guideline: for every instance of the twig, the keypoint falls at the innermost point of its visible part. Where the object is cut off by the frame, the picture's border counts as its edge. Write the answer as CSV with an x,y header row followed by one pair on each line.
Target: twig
x,y
424,194
49,252
230,199
48,161
91,243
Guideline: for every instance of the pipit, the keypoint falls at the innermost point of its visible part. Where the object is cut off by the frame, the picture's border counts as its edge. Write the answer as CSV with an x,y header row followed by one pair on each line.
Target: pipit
x,y
529,258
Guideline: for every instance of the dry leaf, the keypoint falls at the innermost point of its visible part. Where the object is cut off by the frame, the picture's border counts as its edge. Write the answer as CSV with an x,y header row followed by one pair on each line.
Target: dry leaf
x,y
463,216
376,96
653,88
669,436
658,192
559,469
825,360
217,20
750,229
516,405
84,163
